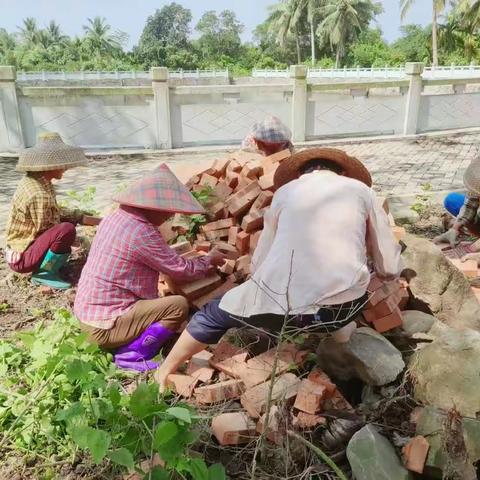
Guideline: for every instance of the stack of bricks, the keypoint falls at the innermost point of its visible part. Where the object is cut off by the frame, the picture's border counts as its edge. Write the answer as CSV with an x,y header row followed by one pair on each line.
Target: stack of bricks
x,y
386,300
241,189
228,374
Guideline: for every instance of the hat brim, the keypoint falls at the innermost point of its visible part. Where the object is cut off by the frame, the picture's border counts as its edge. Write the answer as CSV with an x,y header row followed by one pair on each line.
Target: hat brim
x,y
166,210
289,169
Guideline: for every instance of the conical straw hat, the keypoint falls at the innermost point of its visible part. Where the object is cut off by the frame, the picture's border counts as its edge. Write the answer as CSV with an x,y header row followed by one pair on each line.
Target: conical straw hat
x,y
160,190
50,153
289,169
471,177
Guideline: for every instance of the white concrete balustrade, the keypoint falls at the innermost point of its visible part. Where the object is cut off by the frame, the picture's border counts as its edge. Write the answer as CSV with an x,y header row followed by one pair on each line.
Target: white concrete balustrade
x,y
162,114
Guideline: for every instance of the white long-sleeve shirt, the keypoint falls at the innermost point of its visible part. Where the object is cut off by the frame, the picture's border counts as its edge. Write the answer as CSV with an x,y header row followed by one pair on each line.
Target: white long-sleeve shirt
x,y
313,248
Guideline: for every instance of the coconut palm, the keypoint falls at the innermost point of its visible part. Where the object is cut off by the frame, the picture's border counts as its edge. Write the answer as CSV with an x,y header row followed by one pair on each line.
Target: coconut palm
x,y
29,31
97,33
55,33
343,20
311,9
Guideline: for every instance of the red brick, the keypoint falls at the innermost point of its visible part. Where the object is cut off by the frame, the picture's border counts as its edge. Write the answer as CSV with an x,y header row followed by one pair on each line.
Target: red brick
x,y
382,293
404,299
182,247
242,265
183,384
231,179
307,421
243,242
415,454
234,166
262,201
252,170
382,309
253,221
90,220
337,402
208,180
389,322
192,181
219,166
375,284
254,237
202,359
321,378
202,374
198,288
193,254
310,397
225,351
222,191
266,181
284,389
218,225
228,267
204,246
279,156
216,211
232,235
233,428
273,433
220,392
232,365
228,250
217,234
167,231
241,201
217,292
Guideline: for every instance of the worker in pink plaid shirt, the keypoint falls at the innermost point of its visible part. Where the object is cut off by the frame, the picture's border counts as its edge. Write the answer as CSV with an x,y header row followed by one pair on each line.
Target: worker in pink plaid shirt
x,y
117,299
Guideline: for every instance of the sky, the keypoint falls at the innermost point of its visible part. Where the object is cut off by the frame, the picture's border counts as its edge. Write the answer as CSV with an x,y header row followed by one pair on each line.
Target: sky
x,y
130,15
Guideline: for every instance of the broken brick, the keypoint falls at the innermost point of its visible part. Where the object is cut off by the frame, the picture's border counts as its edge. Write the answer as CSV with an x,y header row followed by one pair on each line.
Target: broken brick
x,y
388,322
337,402
182,384
232,235
202,374
223,351
382,293
220,392
228,267
204,246
310,397
321,378
273,432
415,454
228,250
307,421
242,265
284,389
232,365
217,234
202,359
382,309
208,180
375,284
233,428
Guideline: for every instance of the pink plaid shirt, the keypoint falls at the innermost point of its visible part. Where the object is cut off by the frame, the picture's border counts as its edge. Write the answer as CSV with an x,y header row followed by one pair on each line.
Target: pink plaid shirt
x,y
127,256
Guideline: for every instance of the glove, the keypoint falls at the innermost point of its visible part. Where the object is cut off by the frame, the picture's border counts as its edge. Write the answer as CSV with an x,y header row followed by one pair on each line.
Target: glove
x,y
449,237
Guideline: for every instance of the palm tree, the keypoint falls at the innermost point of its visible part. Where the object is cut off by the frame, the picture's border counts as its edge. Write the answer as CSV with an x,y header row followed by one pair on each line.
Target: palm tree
x,y
29,31
342,22
311,8
55,33
284,22
97,32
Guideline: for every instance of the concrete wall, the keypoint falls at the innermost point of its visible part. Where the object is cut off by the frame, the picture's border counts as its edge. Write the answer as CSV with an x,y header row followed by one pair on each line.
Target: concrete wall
x,y
163,114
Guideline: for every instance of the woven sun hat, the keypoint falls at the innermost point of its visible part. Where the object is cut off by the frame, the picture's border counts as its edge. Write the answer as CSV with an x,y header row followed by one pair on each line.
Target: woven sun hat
x,y
289,169
160,190
269,130
471,177
50,153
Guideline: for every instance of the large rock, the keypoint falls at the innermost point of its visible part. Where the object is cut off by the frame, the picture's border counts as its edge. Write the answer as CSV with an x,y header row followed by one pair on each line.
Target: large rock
x,y
431,424
441,286
446,372
372,457
415,321
368,356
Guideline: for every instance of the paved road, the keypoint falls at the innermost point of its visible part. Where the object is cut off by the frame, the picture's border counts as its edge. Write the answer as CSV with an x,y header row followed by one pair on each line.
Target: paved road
x,y
397,167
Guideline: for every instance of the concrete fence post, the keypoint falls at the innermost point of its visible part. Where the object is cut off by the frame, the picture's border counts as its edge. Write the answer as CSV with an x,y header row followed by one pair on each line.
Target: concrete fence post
x,y
414,71
299,102
11,134
161,96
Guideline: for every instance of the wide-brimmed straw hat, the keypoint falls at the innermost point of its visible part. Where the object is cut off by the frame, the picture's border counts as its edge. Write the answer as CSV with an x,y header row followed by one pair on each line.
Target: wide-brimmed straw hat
x,y
290,168
471,177
50,153
162,191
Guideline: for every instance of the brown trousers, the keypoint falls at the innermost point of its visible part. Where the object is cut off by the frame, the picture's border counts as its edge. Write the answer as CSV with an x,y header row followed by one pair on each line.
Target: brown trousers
x,y
171,312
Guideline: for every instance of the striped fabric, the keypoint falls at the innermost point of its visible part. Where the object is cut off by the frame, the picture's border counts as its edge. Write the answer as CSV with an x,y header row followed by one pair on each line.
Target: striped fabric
x,y
270,130
126,258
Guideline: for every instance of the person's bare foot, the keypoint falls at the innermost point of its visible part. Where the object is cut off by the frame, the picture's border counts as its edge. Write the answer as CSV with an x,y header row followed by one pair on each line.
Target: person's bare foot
x,y
344,334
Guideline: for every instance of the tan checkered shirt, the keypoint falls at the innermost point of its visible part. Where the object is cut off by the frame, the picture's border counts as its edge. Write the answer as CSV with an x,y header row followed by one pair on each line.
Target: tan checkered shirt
x,y
34,210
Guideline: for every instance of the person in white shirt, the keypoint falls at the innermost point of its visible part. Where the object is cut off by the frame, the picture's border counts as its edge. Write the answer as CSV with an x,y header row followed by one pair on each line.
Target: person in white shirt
x,y
310,267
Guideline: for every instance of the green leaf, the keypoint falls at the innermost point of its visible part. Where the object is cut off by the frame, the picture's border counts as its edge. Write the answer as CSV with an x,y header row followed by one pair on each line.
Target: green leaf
x,y
198,469
78,370
180,413
157,473
122,457
97,441
143,400
165,432
217,472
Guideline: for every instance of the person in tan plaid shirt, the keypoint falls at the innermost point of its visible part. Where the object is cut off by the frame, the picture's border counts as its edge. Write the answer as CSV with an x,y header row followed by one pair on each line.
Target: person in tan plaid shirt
x,y
39,234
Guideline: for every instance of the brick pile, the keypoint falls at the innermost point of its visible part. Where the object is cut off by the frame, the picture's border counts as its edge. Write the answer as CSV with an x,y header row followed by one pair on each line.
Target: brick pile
x,y
229,374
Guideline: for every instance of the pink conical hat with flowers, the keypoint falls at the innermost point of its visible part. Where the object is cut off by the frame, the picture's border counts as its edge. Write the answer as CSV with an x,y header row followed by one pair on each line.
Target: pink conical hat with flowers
x,y
160,190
